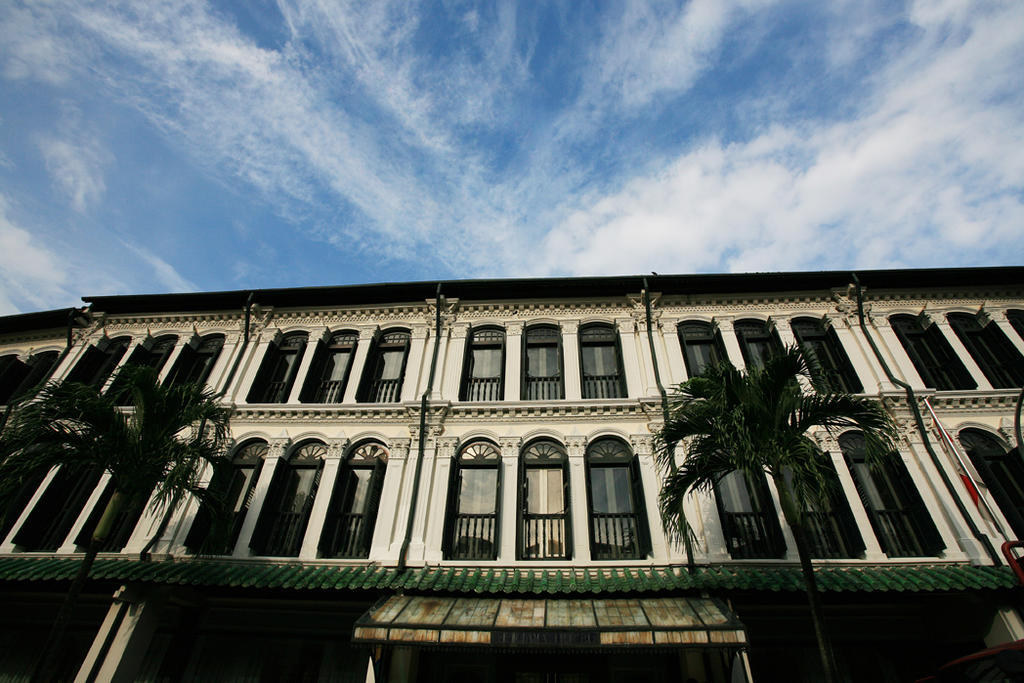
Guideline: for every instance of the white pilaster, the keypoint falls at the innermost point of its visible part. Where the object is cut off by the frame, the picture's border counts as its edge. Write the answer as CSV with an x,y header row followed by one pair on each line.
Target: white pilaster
x,y
69,545
732,344
571,359
123,637
579,516
417,540
650,386
435,508
183,341
243,384
509,519
675,366
649,482
961,352
394,505
417,367
301,375
861,357
635,382
455,361
899,360
999,318
513,360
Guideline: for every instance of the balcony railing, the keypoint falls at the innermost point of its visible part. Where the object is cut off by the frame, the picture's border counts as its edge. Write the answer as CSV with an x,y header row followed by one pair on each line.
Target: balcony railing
x,y
483,389
828,536
344,541
898,534
330,391
286,536
615,536
602,386
752,535
544,537
473,537
543,388
384,391
277,392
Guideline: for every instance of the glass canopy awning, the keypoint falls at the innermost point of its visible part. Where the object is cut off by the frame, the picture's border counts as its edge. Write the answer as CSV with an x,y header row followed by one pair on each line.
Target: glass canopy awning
x,y
523,623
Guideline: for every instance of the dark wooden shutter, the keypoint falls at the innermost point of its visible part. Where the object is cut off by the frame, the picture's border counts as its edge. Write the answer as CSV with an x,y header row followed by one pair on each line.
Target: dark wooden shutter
x,y
258,392
314,377
451,508
931,541
203,521
343,483
372,503
643,528
183,368
57,509
568,501
40,368
83,537
270,511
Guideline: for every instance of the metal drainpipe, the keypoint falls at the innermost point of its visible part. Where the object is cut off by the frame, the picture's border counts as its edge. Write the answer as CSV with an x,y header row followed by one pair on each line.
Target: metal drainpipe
x,y
919,422
438,303
687,542
144,553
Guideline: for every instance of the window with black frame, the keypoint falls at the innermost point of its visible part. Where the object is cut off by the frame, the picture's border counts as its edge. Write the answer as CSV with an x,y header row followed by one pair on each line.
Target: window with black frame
x,y
332,364
471,525
121,527
18,377
382,383
1016,319
618,519
352,511
757,341
994,353
277,373
95,365
898,515
601,362
702,346
196,360
233,487
542,364
545,531
152,354
831,531
484,375
1002,471
931,354
48,525
749,521
831,367
282,522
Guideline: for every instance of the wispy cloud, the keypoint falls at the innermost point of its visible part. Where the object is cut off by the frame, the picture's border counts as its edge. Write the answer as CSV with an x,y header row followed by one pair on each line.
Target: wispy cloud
x,y
32,275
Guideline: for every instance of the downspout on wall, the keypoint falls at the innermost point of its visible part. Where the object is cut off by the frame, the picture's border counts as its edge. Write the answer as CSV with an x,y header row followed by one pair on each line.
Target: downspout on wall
x,y
424,405
687,541
919,423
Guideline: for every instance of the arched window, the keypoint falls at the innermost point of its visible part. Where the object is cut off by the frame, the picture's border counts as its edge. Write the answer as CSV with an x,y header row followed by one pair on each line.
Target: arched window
x,y
931,354
285,514
831,530
757,341
1002,470
545,532
749,520
332,363
151,354
277,373
50,521
702,346
601,362
382,381
352,513
196,360
991,350
95,365
484,375
471,525
831,365
542,364
234,486
1016,319
17,377
618,519
898,515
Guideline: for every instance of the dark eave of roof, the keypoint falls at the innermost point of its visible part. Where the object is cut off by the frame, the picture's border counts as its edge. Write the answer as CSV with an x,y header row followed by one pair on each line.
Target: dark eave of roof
x,y
565,287
41,320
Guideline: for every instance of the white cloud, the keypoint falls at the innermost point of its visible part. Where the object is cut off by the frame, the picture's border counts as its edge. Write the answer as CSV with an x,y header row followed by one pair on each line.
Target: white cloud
x,y
29,272
33,46
163,272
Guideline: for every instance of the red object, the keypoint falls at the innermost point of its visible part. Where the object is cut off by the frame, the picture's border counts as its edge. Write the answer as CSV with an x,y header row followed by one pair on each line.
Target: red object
x,y
1001,663
1013,560
971,489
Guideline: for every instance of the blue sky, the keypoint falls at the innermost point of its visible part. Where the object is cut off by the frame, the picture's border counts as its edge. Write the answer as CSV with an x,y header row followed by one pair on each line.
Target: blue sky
x,y
153,147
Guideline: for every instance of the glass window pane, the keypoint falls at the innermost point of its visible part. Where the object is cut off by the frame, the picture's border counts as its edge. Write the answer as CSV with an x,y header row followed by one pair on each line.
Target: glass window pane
x,y
301,487
391,364
734,494
360,483
542,361
609,487
487,363
479,492
337,364
544,491
599,361
700,356
283,366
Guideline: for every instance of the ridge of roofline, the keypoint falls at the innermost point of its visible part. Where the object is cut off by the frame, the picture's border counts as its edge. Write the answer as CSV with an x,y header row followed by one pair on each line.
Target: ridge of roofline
x,y
557,287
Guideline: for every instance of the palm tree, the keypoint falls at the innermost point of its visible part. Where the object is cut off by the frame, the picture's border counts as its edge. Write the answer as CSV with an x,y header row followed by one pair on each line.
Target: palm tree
x,y
155,449
759,422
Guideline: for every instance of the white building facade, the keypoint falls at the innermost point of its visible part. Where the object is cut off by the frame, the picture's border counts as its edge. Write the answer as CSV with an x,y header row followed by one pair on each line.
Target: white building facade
x,y
468,467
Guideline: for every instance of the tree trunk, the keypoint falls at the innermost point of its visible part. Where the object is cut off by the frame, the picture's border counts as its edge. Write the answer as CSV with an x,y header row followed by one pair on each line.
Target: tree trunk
x,y
794,517
50,656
